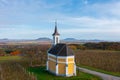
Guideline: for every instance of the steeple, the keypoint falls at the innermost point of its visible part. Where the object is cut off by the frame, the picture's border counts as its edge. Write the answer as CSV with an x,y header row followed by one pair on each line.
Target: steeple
x,y
56,31
56,35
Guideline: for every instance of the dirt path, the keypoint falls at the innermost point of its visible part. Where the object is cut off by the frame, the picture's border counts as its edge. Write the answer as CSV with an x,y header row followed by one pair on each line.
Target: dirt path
x,y
102,75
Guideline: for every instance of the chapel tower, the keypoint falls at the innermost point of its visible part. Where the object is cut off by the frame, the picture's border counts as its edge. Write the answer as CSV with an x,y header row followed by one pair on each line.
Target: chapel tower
x,y
56,35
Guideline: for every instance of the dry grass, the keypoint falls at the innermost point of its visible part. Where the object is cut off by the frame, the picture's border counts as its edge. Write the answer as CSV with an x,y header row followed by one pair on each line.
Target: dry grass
x,y
100,59
14,71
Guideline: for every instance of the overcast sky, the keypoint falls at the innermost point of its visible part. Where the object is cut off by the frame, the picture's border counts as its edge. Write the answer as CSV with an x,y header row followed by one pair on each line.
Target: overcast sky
x,y
80,19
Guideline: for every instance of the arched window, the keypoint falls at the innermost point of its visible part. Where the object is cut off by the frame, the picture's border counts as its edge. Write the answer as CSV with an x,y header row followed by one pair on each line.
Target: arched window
x,y
56,39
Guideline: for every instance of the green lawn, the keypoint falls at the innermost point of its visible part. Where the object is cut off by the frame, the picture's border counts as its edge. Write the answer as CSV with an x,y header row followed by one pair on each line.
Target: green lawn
x,y
42,74
102,71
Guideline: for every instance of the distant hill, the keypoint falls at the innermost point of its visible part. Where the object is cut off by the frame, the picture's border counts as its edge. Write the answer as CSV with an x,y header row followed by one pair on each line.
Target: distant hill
x,y
81,40
70,39
44,39
4,40
94,40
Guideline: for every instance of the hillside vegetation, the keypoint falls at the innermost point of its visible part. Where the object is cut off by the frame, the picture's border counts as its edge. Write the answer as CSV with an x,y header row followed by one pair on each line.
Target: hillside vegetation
x,y
99,46
102,58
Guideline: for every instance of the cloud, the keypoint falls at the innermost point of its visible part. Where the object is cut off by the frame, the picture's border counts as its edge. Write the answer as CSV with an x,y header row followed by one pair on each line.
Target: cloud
x,y
3,2
108,9
91,28
92,22
36,17
85,2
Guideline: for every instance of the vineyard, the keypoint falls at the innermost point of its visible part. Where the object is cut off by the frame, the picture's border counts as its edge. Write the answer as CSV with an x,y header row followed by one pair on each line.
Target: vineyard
x,y
14,71
100,59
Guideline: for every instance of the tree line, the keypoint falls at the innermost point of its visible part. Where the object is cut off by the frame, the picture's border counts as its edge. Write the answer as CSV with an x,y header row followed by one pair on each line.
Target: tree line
x,y
101,46
22,49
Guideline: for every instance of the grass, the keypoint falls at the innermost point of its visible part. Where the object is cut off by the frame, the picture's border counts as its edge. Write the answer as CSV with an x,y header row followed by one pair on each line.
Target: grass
x,y
9,58
102,71
42,74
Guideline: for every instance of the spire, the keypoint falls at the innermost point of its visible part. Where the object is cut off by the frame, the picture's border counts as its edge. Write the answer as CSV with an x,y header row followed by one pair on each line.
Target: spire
x,y
56,35
56,31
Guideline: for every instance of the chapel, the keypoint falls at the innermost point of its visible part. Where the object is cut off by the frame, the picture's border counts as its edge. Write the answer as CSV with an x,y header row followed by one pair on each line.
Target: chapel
x,y
60,58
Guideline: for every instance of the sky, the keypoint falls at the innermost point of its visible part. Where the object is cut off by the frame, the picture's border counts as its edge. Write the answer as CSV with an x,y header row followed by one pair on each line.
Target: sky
x,y
80,19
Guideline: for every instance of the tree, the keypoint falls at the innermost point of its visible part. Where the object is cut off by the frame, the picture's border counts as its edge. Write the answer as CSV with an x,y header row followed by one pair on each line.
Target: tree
x,y
17,52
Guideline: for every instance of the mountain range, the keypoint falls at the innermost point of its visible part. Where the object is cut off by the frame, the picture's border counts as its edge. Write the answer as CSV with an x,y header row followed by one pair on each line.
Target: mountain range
x,y
49,40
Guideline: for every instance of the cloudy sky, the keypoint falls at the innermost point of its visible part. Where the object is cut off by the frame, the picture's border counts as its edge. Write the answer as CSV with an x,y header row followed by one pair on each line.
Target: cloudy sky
x,y
80,19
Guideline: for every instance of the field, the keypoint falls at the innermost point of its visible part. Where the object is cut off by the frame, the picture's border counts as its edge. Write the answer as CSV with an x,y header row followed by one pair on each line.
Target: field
x,y
4,58
14,71
15,68
99,60
106,61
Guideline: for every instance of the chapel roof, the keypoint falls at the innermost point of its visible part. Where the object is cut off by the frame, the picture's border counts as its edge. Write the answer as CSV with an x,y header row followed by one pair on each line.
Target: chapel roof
x,y
61,50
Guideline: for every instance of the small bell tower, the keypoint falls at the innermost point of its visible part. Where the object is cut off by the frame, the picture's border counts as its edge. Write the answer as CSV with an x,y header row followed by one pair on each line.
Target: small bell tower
x,y
56,35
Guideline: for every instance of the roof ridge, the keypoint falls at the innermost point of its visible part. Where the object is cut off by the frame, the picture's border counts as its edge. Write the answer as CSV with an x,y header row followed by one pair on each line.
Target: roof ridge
x,y
61,49
66,49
